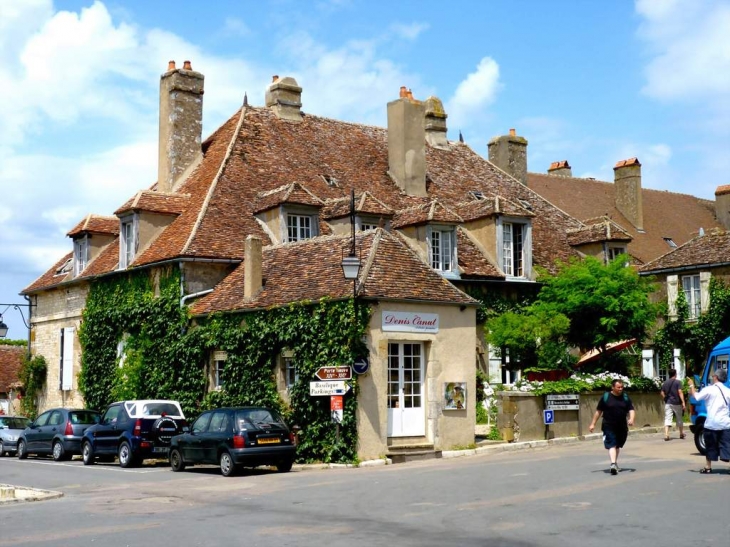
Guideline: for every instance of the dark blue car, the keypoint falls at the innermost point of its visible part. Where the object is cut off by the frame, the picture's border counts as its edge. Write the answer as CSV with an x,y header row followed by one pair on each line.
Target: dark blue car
x,y
133,431
56,432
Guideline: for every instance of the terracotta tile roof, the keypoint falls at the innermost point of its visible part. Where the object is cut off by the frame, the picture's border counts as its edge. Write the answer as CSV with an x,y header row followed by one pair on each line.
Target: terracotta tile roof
x,y
711,249
365,203
666,214
293,193
563,164
96,224
473,260
155,202
422,214
390,270
722,190
11,358
601,230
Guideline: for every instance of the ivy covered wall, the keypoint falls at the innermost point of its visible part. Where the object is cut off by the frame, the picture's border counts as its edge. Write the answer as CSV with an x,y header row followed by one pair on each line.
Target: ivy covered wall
x,y
165,355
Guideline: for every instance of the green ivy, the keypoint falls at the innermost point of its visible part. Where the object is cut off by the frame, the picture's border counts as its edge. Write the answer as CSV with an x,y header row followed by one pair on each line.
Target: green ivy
x,y
165,356
32,375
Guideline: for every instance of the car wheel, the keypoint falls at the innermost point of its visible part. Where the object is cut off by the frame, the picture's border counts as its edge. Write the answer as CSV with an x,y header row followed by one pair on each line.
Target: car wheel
x,y
87,453
176,460
284,466
2,449
59,454
126,459
228,468
22,450
700,441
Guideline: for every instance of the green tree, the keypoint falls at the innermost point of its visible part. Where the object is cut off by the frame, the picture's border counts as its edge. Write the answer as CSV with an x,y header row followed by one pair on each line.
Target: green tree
x,y
585,305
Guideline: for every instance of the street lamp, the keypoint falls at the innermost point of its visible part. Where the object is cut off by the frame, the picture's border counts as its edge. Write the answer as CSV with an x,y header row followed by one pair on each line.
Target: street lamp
x,y
4,328
351,263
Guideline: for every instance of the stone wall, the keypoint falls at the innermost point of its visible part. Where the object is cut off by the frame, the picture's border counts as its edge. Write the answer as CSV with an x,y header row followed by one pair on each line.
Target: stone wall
x,y
521,415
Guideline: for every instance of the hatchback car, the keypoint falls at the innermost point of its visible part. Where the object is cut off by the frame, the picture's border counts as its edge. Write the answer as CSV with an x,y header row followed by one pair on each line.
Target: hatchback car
x,y
56,432
234,438
10,428
133,431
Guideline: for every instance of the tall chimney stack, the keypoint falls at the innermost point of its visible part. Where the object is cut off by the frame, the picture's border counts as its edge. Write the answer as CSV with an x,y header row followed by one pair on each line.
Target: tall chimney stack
x,y
509,153
407,143
284,97
252,267
181,123
560,169
722,205
436,123
627,179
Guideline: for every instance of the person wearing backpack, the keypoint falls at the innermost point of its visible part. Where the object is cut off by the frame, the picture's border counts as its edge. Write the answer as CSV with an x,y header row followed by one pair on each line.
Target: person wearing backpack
x,y
618,414
673,404
716,431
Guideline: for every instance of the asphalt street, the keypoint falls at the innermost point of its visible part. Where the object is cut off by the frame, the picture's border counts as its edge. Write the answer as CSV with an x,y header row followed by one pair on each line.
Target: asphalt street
x,y
561,495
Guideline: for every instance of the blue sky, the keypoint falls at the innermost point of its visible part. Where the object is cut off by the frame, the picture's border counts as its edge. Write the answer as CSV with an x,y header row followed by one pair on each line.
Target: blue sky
x,y
587,82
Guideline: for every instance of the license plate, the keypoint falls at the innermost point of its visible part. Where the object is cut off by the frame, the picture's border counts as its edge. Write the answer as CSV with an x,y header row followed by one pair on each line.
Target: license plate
x,y
160,450
269,441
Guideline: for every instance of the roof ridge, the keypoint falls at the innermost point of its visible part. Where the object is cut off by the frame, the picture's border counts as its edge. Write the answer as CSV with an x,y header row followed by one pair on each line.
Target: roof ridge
x,y
214,183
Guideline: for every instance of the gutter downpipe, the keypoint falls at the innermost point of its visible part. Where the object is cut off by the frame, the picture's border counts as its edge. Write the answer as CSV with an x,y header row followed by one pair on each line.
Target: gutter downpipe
x,y
194,295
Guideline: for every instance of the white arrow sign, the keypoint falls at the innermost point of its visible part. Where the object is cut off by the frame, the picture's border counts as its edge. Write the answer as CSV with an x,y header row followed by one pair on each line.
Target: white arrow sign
x,y
337,387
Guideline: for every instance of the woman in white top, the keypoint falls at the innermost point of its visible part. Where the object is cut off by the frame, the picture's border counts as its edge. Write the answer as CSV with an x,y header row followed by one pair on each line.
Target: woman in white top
x,y
717,425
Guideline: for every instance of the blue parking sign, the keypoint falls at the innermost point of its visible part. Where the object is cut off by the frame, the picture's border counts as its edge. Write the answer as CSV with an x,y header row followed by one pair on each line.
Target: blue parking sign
x,y
548,416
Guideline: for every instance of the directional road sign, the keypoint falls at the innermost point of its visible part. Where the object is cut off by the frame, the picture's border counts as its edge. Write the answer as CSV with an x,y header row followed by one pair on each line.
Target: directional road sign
x,y
334,373
336,387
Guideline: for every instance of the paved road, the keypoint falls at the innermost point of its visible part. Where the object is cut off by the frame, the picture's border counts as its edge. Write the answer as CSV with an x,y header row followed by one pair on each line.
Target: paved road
x,y
561,495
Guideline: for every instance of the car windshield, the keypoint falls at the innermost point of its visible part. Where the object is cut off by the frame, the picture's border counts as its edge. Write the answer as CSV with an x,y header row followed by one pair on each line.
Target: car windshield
x,y
14,423
83,417
258,416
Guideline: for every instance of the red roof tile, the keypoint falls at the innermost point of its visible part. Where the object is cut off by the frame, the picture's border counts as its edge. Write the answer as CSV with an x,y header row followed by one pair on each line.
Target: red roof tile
x,y
11,359
96,224
710,249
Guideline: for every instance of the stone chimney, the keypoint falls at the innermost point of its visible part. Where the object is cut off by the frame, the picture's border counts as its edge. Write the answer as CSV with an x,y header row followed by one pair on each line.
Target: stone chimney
x,y
181,123
560,169
436,123
509,153
284,97
722,205
627,179
407,143
252,267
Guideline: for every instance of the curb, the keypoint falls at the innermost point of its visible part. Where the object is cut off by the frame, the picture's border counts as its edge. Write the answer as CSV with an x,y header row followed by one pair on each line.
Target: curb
x,y
23,493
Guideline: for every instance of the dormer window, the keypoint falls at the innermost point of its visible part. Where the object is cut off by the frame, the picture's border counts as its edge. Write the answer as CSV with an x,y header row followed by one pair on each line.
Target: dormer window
x,y
514,247
370,223
441,242
127,241
615,250
299,227
81,255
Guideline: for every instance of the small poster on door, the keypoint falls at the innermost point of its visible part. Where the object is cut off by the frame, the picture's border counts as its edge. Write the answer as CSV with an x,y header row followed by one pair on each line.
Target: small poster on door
x,y
455,395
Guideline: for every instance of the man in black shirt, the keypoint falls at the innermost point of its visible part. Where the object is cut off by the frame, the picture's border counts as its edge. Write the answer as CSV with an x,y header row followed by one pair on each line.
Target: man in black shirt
x,y
615,407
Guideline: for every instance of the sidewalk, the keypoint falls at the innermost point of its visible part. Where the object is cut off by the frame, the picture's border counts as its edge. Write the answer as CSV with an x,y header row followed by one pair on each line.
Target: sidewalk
x,y
483,447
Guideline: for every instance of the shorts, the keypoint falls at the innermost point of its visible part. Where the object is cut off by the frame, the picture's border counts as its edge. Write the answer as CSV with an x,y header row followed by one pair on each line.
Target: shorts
x,y
672,411
717,444
615,438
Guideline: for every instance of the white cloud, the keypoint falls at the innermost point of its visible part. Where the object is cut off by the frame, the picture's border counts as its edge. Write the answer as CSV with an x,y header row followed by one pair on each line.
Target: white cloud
x,y
477,91
236,27
409,32
688,40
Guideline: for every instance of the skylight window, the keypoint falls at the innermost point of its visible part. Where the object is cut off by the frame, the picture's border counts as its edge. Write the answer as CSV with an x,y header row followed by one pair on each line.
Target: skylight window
x,y
670,242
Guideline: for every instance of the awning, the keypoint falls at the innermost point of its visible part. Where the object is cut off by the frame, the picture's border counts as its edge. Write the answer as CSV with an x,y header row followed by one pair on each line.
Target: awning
x,y
610,348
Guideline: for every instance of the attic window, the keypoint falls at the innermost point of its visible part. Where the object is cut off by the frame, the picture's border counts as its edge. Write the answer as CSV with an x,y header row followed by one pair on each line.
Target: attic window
x,y
65,267
330,180
526,204
670,242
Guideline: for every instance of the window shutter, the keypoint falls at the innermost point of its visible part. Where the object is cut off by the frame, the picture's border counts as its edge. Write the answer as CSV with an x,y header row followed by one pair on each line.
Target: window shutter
x,y
527,249
672,282
500,244
647,363
704,291
429,250
67,365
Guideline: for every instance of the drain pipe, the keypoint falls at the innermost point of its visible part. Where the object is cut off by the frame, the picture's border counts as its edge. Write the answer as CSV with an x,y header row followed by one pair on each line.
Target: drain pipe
x,y
194,295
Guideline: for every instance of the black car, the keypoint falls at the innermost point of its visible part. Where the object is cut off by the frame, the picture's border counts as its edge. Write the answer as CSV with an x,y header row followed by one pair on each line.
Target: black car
x,y
58,432
133,431
234,438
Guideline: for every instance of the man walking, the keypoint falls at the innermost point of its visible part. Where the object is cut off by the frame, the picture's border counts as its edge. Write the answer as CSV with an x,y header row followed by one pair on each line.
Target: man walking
x,y
717,425
615,408
673,404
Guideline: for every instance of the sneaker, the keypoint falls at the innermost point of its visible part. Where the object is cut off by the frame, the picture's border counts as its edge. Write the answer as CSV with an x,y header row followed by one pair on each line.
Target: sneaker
x,y
614,469
618,468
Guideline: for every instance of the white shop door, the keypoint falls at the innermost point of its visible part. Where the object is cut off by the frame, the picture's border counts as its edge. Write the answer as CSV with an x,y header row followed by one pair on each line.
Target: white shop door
x,y
406,416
